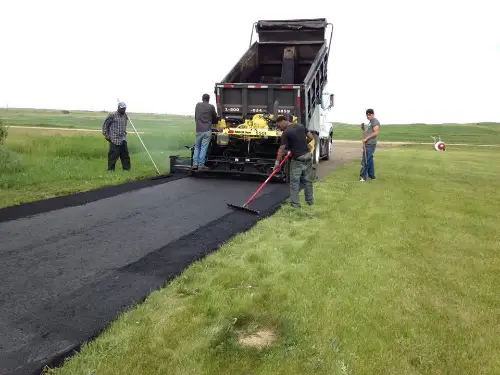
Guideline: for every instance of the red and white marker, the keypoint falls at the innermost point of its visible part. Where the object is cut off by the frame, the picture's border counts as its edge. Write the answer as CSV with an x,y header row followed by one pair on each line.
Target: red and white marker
x,y
439,145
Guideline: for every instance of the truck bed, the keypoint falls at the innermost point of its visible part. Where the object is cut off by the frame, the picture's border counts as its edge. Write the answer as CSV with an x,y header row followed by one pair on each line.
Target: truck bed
x,y
284,72
263,63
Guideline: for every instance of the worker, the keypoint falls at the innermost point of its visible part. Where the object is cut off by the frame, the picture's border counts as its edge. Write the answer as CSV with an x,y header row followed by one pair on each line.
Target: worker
x,y
114,129
295,138
204,115
369,145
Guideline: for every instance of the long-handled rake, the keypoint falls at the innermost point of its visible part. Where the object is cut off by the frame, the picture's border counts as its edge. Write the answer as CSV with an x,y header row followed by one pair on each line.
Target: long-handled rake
x,y
244,207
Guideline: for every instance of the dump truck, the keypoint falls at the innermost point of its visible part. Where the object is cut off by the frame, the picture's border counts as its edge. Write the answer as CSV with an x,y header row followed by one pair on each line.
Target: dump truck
x,y
283,73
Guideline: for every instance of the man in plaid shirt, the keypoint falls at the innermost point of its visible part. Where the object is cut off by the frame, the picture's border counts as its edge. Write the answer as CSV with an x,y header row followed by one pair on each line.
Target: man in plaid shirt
x,y
114,129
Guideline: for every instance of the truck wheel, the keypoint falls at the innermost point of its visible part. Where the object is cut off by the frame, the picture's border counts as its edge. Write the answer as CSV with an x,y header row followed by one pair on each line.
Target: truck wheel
x,y
317,149
329,149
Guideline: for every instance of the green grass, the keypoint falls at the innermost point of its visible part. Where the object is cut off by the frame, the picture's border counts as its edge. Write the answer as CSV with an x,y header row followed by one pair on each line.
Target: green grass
x,y
476,134
41,163
396,276
84,119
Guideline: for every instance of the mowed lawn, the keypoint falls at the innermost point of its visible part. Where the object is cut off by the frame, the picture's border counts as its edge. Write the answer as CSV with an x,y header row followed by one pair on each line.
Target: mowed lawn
x,y
394,276
42,163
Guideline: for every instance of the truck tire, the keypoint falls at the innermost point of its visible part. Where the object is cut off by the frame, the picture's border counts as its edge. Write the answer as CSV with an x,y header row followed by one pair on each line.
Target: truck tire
x,y
317,149
329,149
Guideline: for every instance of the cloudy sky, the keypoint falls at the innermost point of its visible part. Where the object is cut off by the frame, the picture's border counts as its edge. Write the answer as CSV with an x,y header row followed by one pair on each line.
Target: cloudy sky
x,y
418,61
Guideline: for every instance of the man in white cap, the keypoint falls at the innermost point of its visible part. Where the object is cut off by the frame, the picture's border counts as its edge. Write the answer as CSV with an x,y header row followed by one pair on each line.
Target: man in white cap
x,y
114,129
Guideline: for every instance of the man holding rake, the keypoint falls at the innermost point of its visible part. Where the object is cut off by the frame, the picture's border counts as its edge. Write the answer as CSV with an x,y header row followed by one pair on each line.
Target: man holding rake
x,y
369,145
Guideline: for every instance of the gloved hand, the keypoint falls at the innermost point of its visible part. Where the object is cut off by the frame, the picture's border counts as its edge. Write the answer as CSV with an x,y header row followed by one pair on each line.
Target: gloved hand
x,y
363,125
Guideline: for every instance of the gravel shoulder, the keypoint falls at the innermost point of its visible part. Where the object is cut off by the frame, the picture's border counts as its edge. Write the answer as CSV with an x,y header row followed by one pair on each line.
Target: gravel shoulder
x,y
344,152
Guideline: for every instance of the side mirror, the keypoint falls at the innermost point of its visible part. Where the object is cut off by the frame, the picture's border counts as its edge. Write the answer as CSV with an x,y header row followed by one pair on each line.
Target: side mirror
x,y
331,100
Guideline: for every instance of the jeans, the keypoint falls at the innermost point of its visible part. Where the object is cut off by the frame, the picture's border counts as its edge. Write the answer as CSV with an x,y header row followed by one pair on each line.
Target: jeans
x,y
200,147
368,167
301,172
118,151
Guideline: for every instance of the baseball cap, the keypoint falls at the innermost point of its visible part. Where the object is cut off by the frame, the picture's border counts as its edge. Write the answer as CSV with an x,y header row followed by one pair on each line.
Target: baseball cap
x,y
122,105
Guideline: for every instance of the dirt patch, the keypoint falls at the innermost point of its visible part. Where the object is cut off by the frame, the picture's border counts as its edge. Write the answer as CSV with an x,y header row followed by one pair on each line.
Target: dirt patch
x,y
259,339
343,152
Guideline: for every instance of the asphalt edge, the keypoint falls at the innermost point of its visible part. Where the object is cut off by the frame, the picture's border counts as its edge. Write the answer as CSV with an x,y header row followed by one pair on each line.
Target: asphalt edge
x,y
80,198
213,235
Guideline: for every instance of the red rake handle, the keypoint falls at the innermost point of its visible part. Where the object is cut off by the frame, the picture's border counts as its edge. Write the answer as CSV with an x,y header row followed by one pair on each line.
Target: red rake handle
x,y
265,182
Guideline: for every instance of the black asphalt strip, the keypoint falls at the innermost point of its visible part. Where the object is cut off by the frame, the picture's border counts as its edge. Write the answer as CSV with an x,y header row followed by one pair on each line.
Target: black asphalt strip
x,y
78,199
56,329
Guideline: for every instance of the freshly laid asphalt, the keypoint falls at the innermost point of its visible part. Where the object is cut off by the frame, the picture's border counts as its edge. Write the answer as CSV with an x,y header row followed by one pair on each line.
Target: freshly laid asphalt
x,y
70,265
65,274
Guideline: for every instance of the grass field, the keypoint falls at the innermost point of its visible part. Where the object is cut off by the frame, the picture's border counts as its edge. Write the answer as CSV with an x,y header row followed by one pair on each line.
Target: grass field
x,y
41,163
475,134
396,276
83,119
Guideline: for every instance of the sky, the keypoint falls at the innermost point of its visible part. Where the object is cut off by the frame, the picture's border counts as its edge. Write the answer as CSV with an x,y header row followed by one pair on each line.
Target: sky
x,y
412,61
